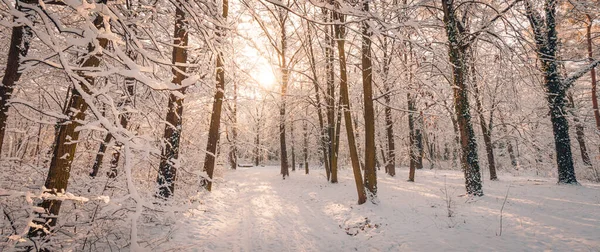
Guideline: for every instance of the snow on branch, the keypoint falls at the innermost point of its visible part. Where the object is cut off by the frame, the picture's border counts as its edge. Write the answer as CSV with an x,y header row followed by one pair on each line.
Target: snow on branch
x,y
567,82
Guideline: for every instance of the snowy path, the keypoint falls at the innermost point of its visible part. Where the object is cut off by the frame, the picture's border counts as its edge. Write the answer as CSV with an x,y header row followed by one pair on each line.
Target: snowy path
x,y
253,209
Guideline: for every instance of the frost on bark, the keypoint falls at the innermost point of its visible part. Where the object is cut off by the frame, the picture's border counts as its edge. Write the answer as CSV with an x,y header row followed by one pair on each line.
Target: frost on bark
x,y
457,53
215,118
390,162
167,171
546,41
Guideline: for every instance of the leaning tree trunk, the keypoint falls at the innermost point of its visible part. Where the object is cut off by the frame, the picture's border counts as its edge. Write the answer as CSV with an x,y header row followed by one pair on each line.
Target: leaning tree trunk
x,y
369,113
345,107
457,54
18,48
215,118
167,172
66,144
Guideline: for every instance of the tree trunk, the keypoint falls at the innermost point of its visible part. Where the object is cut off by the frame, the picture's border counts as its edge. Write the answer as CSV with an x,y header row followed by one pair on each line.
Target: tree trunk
x,y
485,129
305,143
18,49
167,171
215,118
369,113
124,121
345,107
233,156
418,139
292,137
457,55
257,145
322,129
585,157
411,136
100,155
66,144
588,36
546,39
284,82
332,123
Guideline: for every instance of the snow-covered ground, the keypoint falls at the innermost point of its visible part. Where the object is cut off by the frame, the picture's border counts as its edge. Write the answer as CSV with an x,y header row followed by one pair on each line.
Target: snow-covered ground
x,y
253,209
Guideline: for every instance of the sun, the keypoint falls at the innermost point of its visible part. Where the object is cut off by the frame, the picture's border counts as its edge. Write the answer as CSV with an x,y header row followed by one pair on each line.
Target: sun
x,y
264,76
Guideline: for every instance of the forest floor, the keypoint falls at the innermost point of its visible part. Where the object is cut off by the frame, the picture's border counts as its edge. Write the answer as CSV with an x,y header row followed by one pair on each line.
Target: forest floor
x,y
253,209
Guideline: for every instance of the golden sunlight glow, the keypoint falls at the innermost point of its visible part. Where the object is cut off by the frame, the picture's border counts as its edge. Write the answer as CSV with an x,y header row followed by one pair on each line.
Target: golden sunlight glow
x,y
264,76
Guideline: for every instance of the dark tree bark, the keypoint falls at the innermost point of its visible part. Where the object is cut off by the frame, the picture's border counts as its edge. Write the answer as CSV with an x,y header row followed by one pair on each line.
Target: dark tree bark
x,y
345,106
411,137
369,112
419,141
167,172
66,144
546,40
100,155
18,49
457,53
215,118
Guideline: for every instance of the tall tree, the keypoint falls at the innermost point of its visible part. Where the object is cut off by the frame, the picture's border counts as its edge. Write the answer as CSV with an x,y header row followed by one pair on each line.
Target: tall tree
x,y
167,171
285,75
369,113
486,128
215,118
390,163
546,41
18,49
67,139
333,121
340,32
458,44
233,152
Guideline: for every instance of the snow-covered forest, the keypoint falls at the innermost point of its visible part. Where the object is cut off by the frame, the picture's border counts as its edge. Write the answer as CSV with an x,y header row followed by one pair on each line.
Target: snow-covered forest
x,y
290,125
